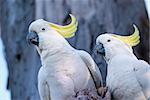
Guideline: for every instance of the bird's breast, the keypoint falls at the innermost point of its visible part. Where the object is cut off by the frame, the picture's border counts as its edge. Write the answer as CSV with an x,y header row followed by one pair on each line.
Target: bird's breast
x,y
122,83
72,67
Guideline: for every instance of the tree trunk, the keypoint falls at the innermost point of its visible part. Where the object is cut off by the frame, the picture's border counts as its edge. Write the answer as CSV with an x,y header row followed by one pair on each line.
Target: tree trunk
x,y
23,62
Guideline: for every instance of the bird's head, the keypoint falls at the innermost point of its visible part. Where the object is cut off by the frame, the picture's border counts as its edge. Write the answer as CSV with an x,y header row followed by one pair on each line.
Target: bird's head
x,y
110,45
44,34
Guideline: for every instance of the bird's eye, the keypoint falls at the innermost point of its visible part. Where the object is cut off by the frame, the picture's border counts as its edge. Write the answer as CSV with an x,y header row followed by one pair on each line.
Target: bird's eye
x,y
43,29
108,40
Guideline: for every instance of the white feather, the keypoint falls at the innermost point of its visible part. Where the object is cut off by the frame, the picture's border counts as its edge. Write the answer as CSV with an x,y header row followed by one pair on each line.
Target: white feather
x,y
64,70
127,77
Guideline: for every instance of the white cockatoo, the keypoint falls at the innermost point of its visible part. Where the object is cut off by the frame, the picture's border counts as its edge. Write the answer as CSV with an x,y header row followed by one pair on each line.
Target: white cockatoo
x,y
64,70
128,78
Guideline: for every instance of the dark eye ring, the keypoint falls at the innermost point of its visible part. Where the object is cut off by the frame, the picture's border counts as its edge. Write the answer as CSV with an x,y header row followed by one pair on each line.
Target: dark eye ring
x,y
43,29
108,40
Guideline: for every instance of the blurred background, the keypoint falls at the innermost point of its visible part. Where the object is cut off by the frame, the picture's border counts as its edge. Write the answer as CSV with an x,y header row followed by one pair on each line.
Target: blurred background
x,y
19,62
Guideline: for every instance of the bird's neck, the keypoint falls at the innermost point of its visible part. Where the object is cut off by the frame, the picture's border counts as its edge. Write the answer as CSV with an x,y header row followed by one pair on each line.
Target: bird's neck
x,y
117,52
55,54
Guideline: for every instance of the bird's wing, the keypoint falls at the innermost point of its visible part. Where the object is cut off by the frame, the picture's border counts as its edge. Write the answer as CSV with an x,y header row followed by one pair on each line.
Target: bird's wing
x,y
142,73
43,86
93,69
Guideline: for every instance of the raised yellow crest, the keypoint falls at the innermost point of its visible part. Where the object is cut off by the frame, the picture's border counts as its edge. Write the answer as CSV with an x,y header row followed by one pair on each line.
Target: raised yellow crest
x,y
131,40
67,31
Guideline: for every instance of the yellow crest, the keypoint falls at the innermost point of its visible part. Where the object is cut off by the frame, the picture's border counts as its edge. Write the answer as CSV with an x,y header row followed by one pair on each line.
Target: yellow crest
x,y
68,30
131,40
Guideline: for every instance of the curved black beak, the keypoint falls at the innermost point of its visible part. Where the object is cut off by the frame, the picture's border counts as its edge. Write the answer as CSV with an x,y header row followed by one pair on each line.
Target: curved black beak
x,y
33,38
99,48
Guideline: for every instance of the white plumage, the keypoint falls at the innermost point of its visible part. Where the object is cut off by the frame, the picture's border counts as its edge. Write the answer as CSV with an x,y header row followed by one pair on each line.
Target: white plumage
x,y
64,70
127,77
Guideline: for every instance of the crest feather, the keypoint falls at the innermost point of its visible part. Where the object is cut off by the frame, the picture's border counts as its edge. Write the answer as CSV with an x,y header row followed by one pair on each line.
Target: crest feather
x,y
68,30
131,40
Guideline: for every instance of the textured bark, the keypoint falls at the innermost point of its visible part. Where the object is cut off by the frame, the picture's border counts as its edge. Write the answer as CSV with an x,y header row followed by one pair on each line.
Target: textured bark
x,y
94,16
23,63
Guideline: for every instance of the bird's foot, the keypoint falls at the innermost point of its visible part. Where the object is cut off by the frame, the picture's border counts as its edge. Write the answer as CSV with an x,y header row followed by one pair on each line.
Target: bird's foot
x,y
104,93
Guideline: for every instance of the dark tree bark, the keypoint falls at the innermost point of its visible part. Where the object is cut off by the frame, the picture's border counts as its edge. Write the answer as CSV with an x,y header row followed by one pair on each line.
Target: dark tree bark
x,y
23,62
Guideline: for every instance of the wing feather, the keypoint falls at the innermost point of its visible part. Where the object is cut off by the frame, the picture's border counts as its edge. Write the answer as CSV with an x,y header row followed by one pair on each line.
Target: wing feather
x,y
142,73
94,70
